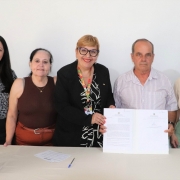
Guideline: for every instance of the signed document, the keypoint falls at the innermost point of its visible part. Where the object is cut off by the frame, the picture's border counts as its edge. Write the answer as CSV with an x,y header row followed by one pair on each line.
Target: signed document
x,y
52,156
133,131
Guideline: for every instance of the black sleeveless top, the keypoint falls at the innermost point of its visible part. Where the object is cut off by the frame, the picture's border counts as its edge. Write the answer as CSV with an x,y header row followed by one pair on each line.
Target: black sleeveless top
x,y
35,108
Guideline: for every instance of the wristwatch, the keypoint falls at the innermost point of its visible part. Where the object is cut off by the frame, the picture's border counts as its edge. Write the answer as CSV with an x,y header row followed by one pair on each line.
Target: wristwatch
x,y
170,122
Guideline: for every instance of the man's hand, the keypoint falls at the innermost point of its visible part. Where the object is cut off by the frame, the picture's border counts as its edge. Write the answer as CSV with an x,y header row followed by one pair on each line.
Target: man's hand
x,y
174,141
170,130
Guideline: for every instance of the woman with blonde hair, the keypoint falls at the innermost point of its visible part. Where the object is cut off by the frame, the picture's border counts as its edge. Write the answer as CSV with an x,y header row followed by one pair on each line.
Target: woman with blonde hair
x,y
83,89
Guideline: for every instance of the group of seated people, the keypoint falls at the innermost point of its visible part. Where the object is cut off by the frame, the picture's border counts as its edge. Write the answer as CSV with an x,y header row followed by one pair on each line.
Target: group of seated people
x,y
67,110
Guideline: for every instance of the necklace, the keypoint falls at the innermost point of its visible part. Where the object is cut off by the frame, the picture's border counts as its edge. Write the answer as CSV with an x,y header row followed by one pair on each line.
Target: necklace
x,y
86,89
42,83
41,89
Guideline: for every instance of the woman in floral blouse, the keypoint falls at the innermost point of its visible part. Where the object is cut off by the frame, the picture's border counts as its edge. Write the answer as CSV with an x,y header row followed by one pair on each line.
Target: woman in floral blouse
x,y
7,76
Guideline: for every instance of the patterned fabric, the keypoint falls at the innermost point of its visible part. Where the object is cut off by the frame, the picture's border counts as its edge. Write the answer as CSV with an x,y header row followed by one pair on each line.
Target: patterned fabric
x,y
91,137
156,93
4,97
86,89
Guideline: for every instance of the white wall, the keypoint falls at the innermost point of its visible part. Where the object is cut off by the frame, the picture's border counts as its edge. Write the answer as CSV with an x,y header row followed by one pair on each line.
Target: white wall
x,y
58,24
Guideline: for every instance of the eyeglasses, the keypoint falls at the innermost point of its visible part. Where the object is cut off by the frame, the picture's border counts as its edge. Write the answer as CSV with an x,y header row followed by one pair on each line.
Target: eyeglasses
x,y
84,51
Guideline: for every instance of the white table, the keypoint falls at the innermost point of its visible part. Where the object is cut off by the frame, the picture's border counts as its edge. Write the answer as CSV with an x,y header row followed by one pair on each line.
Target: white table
x,y
19,163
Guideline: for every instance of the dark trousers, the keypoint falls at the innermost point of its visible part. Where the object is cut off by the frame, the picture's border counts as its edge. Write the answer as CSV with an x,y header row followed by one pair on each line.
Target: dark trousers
x,y
2,131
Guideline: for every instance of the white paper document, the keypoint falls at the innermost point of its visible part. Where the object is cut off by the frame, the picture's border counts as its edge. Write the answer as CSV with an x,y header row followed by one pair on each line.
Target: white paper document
x,y
52,156
136,131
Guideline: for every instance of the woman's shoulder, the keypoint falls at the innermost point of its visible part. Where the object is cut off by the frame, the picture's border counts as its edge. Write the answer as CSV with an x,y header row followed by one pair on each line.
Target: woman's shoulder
x,y
100,67
177,84
55,79
18,82
18,87
52,79
69,69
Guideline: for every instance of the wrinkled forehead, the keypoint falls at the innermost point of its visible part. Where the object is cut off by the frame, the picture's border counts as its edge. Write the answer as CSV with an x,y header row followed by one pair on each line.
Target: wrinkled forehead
x,y
143,47
41,55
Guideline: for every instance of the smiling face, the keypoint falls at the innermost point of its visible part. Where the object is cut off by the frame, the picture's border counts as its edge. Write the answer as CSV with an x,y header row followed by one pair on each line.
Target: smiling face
x,y
40,64
142,56
1,50
86,61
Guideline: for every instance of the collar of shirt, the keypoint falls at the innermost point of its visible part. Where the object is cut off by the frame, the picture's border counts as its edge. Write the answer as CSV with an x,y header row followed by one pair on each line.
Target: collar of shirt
x,y
132,77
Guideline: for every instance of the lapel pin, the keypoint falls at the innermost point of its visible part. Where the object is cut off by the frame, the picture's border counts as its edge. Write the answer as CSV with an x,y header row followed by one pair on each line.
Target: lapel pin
x,y
103,84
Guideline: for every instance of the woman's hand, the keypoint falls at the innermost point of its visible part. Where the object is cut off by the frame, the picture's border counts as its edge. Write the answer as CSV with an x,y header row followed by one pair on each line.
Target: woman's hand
x,y
6,144
98,118
112,106
102,129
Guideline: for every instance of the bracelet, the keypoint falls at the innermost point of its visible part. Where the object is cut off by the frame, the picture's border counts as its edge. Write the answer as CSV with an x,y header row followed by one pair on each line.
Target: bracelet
x,y
170,122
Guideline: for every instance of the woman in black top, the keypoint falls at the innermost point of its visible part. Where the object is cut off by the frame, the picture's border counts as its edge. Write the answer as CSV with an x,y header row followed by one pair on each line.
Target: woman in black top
x,y
83,89
7,77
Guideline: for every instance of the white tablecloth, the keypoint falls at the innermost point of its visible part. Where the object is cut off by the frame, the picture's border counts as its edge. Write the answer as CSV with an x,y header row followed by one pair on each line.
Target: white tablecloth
x,y
19,163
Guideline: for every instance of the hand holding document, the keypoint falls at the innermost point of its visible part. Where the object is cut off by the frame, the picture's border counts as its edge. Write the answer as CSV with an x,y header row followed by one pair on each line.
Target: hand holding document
x,y
136,131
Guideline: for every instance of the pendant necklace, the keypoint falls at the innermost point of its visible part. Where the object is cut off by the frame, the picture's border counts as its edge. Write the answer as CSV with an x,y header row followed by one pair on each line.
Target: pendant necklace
x,y
41,89
86,89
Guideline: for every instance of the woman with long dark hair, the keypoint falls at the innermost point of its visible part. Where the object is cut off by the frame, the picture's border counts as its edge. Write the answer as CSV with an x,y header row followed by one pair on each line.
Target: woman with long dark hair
x,y
7,76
